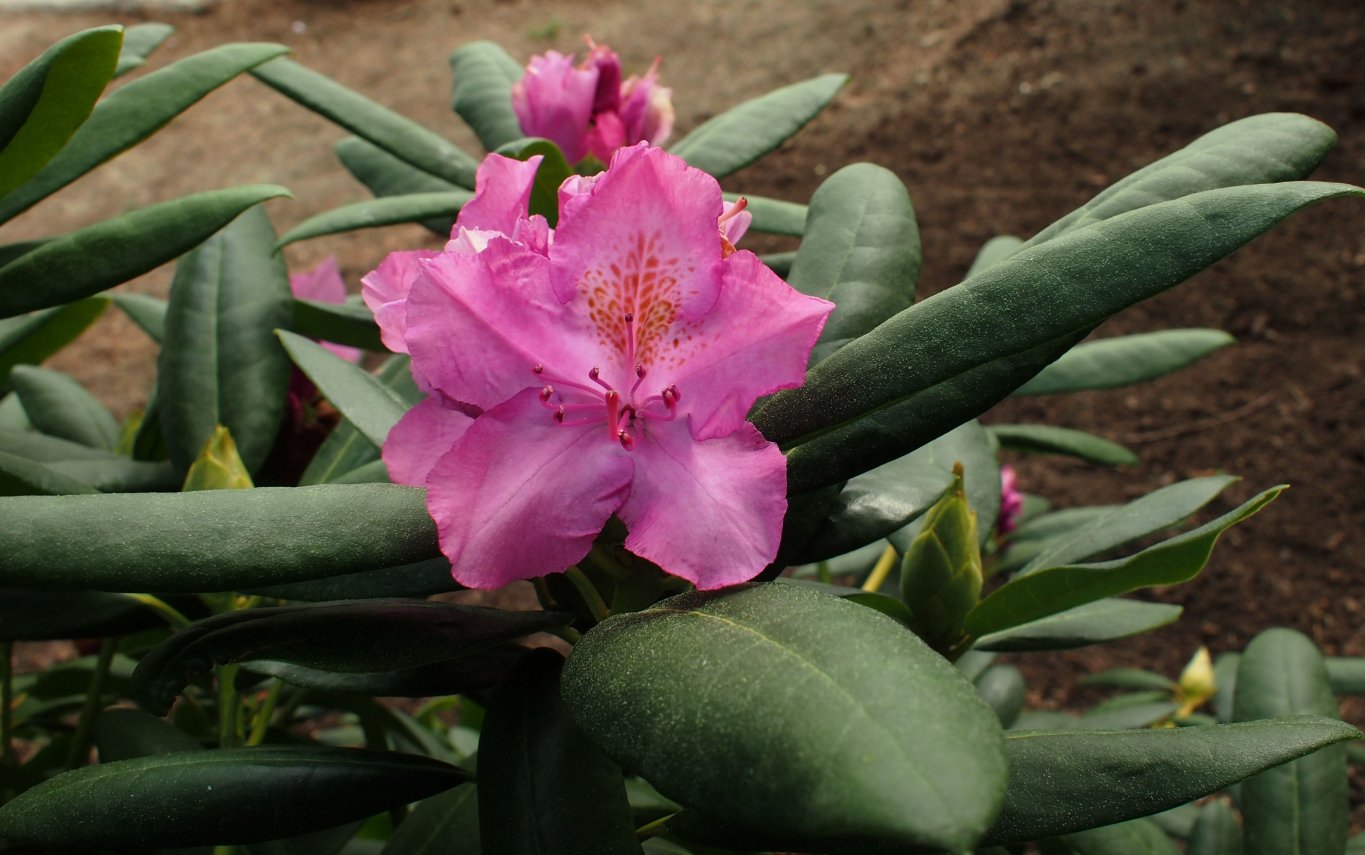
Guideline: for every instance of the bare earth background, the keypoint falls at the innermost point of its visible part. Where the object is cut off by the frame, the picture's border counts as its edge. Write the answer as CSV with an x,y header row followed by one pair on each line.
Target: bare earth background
x,y
1000,116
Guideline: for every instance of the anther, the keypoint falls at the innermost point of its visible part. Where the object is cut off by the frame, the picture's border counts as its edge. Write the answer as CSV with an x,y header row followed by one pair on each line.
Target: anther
x,y
595,375
559,415
639,378
546,394
627,441
539,368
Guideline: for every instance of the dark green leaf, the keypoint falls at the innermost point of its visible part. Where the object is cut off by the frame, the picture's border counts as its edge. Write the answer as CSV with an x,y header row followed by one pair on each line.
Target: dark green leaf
x,y
1346,674
878,708
409,580
241,795
346,448
224,539
1130,678
440,825
1002,686
861,250
970,445
1129,713
1217,831
29,615
386,175
220,363
1301,808
1076,779
134,112
369,404
31,338
123,733
543,787
356,637
384,211
61,270
368,120
20,476
964,348
139,41
473,673
49,99
1092,623
60,406
1138,837
551,173
773,216
780,262
994,250
1124,360
1056,589
342,323
1048,439
743,134
481,92
146,311
1035,535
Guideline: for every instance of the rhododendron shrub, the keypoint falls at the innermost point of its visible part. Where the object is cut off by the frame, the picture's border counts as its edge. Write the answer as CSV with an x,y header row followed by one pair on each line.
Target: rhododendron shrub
x,y
773,551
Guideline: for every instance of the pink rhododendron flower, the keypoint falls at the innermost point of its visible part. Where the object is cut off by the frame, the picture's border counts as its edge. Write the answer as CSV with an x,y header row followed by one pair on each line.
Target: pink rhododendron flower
x,y
323,284
586,109
603,368
1011,501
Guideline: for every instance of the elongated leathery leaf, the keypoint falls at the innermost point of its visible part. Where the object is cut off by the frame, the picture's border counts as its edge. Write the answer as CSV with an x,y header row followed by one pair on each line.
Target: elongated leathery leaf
x,y
148,312
1071,780
1259,149
139,41
370,405
861,250
346,448
31,615
102,470
58,405
108,253
1056,589
34,337
386,175
124,733
134,112
1025,309
475,672
551,173
342,323
203,798
481,92
1153,512
971,446
1124,360
1301,807
215,540
743,134
1049,439
1346,674
384,211
220,363
20,476
878,710
421,579
1092,623
1135,837
349,637
996,249
543,786
439,825
773,216
368,120
49,99
1217,831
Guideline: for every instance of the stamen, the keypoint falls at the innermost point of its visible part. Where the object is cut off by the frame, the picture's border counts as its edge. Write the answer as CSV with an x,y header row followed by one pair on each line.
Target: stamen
x,y
630,339
627,441
539,368
639,378
595,375
559,415
546,394
733,210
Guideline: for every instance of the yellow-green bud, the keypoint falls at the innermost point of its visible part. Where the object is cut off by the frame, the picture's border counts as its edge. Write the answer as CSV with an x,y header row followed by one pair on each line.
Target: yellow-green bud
x,y
218,466
941,572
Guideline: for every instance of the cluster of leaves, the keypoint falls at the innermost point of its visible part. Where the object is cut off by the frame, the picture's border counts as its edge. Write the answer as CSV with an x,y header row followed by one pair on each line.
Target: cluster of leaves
x,y
256,626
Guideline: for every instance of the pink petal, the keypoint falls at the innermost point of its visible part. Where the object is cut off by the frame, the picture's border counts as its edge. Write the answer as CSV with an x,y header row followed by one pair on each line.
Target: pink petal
x,y
755,341
477,325
385,290
644,240
502,194
710,512
606,135
554,100
420,438
647,108
608,65
520,496
322,284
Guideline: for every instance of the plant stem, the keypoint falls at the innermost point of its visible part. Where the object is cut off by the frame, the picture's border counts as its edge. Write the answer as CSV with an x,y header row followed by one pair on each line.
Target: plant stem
x,y
94,703
655,828
881,571
7,701
591,598
163,608
823,574
229,714
261,723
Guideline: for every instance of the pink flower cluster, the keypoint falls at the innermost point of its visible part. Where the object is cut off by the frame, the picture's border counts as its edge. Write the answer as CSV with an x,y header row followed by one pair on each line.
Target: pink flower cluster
x,y
602,368
587,109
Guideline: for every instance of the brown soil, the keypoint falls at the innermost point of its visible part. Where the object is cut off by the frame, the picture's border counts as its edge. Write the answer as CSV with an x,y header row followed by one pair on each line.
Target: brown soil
x,y
1000,116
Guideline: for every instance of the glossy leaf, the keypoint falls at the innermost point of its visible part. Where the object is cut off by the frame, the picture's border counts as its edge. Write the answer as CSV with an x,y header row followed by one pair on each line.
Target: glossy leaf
x,y
20,476
368,120
963,349
31,338
62,270
773,216
226,539
743,134
134,112
861,250
473,673
1137,837
1109,363
242,795
1071,780
386,175
49,99
220,363
1301,807
139,41
878,707
384,211
356,637
1056,589
346,448
60,406
148,312
1217,831
440,825
970,445
369,405
1153,512
1049,439
1093,623
481,92
1260,149
543,786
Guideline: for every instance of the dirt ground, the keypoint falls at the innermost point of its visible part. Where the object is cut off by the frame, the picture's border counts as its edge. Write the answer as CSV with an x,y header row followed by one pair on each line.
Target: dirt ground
x,y
1000,116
